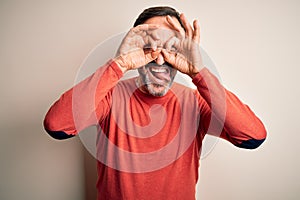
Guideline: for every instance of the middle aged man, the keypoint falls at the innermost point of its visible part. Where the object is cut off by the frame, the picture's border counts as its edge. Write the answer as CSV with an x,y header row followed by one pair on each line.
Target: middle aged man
x,y
151,129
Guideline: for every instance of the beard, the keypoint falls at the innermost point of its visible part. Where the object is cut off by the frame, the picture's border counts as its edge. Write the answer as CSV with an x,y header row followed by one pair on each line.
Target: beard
x,y
156,79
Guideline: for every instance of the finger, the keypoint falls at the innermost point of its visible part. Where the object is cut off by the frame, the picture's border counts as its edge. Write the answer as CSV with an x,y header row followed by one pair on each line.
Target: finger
x,y
175,26
140,43
187,26
166,55
154,34
172,44
140,29
151,56
196,34
155,39
169,57
146,27
151,43
146,32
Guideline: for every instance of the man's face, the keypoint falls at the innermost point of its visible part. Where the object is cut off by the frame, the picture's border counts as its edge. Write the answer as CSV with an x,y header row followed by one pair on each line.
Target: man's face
x,y
157,76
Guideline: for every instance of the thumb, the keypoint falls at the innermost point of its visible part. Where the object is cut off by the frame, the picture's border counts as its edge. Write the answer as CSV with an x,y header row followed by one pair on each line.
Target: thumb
x,y
170,58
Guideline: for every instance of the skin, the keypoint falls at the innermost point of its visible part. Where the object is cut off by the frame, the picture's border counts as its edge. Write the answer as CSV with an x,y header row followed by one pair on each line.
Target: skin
x,y
158,48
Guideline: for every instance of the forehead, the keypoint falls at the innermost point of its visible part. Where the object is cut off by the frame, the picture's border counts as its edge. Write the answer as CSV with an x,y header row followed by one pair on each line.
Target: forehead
x,y
165,30
161,21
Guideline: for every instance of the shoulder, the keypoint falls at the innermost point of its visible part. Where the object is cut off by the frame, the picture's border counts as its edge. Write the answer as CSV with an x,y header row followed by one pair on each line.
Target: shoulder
x,y
181,89
187,93
127,83
124,87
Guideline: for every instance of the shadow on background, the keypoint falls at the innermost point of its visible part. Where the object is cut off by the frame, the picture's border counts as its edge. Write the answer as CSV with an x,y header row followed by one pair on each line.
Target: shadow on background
x,y
90,173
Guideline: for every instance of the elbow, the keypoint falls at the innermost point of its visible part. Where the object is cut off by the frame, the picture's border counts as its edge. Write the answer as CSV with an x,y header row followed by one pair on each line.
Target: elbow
x,y
59,135
254,142
251,143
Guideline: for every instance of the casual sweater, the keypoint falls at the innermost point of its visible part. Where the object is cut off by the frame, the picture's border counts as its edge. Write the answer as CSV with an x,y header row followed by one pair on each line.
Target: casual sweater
x,y
149,147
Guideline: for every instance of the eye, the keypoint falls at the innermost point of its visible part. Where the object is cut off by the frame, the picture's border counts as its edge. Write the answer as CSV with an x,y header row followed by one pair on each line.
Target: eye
x,y
173,49
147,48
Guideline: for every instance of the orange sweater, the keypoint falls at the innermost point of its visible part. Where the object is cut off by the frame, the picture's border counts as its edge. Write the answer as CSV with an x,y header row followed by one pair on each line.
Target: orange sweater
x,y
149,147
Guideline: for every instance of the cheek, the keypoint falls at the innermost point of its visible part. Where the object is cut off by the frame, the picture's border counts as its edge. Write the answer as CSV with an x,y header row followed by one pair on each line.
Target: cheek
x,y
173,72
142,70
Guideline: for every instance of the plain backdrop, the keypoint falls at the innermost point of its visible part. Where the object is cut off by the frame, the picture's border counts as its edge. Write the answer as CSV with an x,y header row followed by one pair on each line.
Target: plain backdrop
x,y
254,45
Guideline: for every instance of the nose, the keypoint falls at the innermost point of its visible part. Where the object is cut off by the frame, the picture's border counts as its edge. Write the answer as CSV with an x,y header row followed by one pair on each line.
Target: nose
x,y
160,59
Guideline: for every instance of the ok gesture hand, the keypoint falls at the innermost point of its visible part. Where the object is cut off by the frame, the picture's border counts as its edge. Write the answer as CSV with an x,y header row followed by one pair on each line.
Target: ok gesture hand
x,y
133,52
182,51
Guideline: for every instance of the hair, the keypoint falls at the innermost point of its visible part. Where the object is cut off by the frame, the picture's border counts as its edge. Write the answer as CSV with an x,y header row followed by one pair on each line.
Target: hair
x,y
157,11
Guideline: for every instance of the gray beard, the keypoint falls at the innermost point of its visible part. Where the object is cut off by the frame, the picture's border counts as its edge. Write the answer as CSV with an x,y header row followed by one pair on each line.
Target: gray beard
x,y
150,86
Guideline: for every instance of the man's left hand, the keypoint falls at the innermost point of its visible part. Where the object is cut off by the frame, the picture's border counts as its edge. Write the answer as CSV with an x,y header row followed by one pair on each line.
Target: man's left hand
x,y
183,50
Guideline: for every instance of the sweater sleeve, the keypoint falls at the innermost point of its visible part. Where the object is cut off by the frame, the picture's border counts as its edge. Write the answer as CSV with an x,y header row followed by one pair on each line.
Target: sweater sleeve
x,y
84,105
225,115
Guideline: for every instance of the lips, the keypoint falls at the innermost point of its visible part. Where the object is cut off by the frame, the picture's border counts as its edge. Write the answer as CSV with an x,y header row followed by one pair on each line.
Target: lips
x,y
160,74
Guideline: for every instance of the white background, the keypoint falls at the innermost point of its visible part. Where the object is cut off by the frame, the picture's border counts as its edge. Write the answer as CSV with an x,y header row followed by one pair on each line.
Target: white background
x,y
254,44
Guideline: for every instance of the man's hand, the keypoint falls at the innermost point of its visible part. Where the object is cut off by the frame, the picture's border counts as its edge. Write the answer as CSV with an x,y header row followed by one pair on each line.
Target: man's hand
x,y
138,48
183,51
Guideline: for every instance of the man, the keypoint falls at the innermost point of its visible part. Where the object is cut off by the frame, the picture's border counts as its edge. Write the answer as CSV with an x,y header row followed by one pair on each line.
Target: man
x,y
151,129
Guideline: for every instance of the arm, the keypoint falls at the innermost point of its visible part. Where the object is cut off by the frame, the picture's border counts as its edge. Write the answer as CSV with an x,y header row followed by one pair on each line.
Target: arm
x,y
84,104
88,102
226,116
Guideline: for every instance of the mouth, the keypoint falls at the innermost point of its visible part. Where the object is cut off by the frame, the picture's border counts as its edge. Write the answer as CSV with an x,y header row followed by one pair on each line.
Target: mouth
x,y
157,79
159,74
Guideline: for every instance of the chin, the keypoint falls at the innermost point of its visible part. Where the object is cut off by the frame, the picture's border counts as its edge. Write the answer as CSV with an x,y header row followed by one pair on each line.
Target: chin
x,y
157,90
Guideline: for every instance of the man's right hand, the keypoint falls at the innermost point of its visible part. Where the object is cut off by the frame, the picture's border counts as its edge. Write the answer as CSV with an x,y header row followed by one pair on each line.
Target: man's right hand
x,y
138,48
